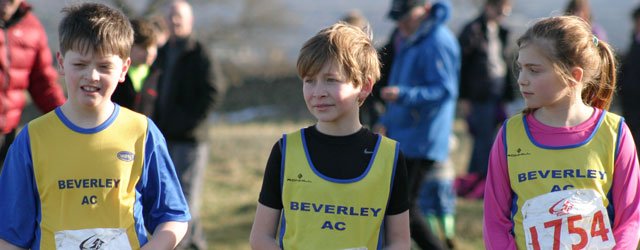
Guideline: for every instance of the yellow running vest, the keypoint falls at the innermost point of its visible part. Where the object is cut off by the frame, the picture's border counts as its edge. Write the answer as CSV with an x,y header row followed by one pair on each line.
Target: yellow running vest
x,y
535,169
325,213
98,198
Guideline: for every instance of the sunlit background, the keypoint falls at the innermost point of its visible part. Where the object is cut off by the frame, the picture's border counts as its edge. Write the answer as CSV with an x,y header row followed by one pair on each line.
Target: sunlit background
x,y
254,31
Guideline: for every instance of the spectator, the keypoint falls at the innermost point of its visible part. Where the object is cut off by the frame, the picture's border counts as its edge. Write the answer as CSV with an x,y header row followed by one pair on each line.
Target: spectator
x,y
187,92
355,18
136,93
630,80
26,65
485,88
161,30
582,9
437,201
421,96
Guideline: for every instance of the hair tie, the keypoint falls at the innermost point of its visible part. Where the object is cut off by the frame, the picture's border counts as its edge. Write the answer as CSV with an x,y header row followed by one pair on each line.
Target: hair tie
x,y
595,40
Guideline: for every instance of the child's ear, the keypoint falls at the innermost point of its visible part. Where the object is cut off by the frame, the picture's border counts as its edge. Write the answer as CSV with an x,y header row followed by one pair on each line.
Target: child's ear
x,y
60,61
577,73
125,68
366,88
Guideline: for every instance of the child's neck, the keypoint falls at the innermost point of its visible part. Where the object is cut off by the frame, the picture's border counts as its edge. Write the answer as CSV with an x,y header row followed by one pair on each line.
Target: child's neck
x,y
335,129
87,117
564,117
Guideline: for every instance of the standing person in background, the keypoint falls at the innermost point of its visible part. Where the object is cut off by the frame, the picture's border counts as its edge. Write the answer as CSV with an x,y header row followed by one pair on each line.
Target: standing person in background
x,y
186,95
25,64
161,30
374,106
564,172
421,97
582,9
437,201
630,80
369,112
136,93
355,18
484,88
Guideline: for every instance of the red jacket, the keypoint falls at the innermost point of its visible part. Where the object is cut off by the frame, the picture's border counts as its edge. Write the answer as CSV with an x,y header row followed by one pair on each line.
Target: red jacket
x,y
25,63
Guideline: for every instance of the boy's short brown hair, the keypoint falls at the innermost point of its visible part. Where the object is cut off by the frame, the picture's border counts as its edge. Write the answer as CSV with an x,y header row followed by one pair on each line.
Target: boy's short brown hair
x,y
349,46
144,34
97,27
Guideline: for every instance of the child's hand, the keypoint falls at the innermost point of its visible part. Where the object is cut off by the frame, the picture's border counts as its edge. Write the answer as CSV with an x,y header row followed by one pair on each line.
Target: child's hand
x,y
380,129
389,94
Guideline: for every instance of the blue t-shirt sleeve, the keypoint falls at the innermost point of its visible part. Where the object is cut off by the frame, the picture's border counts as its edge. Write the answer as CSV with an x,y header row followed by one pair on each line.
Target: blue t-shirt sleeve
x,y
162,195
19,202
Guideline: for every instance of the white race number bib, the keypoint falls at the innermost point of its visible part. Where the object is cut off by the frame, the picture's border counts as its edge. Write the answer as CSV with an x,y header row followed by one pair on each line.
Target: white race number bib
x,y
95,238
569,219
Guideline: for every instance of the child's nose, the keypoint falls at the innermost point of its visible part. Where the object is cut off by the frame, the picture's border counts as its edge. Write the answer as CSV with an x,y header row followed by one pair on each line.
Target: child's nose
x,y
522,80
319,90
94,75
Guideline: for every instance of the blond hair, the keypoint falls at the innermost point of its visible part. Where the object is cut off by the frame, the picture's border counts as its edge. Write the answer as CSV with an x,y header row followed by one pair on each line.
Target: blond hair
x,y
95,27
348,46
567,41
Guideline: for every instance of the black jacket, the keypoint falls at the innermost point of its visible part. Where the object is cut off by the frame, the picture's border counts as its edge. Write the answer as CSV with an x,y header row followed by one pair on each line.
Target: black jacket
x,y
475,83
144,101
629,84
191,94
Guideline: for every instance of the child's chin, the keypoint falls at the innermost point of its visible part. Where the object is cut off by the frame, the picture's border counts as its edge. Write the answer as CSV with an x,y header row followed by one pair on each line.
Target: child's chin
x,y
91,104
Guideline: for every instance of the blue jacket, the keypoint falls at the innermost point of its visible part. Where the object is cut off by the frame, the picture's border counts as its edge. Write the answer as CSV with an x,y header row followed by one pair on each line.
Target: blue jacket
x,y
425,69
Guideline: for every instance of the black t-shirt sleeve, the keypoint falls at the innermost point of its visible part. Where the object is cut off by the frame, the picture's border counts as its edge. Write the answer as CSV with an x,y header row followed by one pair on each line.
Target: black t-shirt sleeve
x,y
399,198
270,195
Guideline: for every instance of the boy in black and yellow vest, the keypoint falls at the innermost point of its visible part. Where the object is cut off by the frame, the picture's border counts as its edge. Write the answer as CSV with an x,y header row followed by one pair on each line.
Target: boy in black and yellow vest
x,y
91,174
335,184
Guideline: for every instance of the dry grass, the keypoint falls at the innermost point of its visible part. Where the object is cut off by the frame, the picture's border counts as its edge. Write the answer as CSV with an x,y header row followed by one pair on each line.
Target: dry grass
x,y
234,177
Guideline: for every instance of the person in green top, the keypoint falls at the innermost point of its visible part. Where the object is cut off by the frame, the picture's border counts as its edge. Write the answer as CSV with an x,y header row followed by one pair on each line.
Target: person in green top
x,y
138,91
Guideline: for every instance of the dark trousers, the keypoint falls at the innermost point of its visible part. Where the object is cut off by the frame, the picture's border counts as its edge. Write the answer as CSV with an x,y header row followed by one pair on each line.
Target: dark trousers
x,y
190,160
420,232
483,124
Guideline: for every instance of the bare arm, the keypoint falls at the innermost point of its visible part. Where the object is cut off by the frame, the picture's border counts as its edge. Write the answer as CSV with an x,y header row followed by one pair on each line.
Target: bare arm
x,y
167,235
397,234
263,232
8,246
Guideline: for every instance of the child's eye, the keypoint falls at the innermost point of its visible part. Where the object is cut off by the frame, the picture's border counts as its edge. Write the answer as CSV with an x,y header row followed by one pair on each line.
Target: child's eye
x,y
334,80
79,64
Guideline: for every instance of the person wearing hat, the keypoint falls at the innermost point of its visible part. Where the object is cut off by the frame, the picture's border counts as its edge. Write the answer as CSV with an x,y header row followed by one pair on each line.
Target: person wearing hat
x,y
421,96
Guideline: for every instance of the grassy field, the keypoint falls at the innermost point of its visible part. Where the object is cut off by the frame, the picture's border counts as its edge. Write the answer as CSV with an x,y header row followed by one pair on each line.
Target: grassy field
x,y
238,156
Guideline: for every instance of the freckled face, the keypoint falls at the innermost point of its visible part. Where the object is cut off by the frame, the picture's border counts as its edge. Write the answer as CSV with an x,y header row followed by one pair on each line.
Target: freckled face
x,y
539,84
330,96
91,78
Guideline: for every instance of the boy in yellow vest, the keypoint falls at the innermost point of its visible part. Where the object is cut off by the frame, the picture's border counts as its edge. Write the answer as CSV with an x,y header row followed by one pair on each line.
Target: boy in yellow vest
x,y
90,174
335,184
